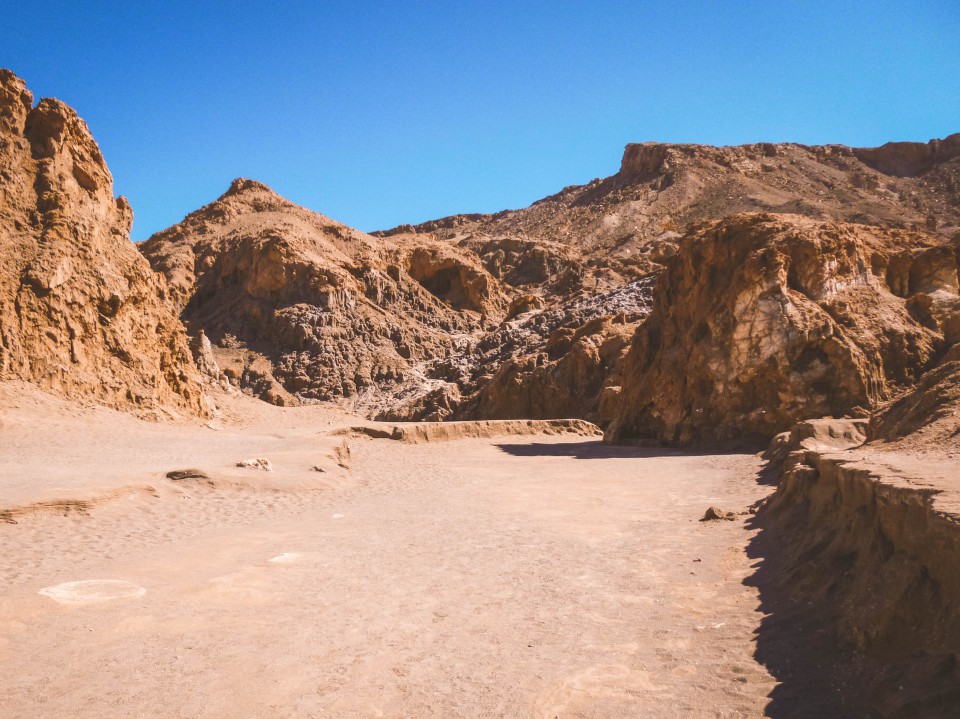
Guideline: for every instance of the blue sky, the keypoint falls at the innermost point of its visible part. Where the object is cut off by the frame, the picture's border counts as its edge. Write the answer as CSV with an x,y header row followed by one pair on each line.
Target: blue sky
x,y
379,113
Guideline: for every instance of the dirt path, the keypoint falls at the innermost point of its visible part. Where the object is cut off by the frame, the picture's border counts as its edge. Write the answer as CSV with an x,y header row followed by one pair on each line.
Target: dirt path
x,y
522,577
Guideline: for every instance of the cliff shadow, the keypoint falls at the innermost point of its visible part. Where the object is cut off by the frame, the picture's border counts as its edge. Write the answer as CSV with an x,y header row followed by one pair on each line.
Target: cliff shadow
x,y
596,449
796,640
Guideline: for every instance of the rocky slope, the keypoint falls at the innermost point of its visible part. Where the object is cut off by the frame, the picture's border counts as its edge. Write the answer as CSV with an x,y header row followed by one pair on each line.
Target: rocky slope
x,y
301,308
530,313
81,313
622,226
594,240
860,544
925,416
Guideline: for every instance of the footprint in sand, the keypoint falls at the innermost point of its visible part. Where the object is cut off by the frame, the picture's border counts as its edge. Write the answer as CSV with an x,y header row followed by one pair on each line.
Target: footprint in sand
x,y
88,591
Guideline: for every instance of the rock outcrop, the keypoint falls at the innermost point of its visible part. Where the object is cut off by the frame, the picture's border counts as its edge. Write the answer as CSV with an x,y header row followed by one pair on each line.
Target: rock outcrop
x,y
523,313
860,550
81,312
560,361
926,416
760,321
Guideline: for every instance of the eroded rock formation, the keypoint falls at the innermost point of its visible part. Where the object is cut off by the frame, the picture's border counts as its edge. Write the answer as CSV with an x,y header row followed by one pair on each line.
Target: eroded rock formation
x,y
596,239
299,307
760,321
623,226
81,312
529,313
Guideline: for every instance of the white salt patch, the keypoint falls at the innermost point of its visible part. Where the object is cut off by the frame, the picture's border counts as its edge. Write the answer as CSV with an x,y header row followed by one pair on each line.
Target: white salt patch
x,y
337,516
92,590
285,558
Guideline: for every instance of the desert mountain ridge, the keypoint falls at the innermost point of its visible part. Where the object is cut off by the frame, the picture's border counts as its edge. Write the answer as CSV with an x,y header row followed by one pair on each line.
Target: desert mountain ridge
x,y
569,281
568,308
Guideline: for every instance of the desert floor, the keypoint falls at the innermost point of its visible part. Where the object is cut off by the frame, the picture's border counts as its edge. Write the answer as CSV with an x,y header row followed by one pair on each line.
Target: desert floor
x,y
519,576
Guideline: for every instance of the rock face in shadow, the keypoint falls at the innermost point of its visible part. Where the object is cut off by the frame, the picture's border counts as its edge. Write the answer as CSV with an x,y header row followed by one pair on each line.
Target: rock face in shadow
x,y
81,312
927,415
299,307
760,321
859,545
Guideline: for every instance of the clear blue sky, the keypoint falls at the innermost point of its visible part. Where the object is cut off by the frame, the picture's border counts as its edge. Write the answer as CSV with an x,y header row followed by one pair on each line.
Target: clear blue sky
x,y
377,113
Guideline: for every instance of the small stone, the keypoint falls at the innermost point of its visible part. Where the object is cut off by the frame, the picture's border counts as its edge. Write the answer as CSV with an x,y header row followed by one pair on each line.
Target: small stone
x,y
713,513
258,463
187,474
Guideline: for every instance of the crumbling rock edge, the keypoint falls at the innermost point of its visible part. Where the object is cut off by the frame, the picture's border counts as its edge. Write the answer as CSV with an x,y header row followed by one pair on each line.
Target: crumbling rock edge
x,y
423,432
867,542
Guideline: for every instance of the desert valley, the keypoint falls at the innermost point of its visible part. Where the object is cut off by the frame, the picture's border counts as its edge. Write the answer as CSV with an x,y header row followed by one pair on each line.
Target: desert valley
x,y
680,442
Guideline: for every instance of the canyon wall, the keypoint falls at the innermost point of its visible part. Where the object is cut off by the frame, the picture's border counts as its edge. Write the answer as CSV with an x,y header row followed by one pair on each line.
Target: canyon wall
x,y
81,312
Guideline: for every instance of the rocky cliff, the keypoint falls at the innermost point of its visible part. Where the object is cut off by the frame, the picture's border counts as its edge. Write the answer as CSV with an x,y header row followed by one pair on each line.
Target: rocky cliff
x,y
81,312
858,579
760,321
595,240
530,313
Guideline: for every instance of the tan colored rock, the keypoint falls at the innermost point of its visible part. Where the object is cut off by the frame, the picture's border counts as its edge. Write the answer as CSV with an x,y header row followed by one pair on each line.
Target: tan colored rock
x,y
81,313
301,308
714,514
565,380
761,321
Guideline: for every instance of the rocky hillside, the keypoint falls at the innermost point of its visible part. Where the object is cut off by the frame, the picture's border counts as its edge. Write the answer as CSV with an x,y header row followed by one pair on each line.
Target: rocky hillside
x,y
301,308
896,201
81,312
624,225
531,313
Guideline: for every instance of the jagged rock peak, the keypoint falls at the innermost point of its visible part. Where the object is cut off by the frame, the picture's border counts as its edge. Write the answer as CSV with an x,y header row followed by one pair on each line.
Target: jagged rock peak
x,y
16,100
242,184
81,313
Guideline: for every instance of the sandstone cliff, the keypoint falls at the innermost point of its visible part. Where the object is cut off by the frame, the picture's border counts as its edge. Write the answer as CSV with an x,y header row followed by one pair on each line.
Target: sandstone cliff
x,y
81,313
760,321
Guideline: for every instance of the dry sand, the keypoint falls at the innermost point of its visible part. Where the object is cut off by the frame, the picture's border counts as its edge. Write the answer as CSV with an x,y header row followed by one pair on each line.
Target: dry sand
x,y
510,576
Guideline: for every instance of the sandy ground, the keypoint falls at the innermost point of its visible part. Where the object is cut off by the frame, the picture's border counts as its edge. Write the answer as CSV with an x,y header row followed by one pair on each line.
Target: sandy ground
x,y
508,577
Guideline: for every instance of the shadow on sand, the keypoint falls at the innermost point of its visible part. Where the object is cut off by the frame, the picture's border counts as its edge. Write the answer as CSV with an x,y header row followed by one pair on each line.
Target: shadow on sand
x,y
596,449
796,640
